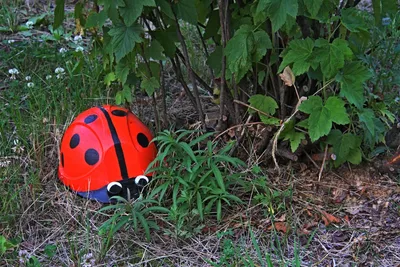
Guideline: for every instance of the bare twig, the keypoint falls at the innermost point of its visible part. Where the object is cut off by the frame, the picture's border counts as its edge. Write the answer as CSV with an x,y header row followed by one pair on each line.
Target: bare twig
x,y
222,4
191,74
323,163
275,142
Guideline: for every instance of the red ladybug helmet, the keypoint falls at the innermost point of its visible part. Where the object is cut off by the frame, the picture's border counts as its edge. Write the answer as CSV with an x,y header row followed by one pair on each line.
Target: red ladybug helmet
x,y
105,152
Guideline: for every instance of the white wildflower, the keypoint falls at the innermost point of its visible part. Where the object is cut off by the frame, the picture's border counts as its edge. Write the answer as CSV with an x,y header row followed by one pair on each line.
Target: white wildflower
x,y
13,72
59,70
5,163
63,50
18,147
29,24
30,85
28,78
77,39
11,41
48,77
79,49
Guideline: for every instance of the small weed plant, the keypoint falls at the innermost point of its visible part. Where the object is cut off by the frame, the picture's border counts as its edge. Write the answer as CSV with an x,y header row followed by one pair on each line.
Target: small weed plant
x,y
193,178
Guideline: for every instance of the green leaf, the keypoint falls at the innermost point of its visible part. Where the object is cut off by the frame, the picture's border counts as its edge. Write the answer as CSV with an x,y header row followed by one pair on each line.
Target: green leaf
x,y
167,38
321,117
218,176
213,25
124,39
165,8
50,250
346,147
290,134
119,98
5,245
214,60
351,81
122,70
299,53
58,13
353,21
96,19
109,78
331,56
367,116
150,85
154,51
263,103
132,10
278,11
238,51
313,6
338,112
262,42
186,10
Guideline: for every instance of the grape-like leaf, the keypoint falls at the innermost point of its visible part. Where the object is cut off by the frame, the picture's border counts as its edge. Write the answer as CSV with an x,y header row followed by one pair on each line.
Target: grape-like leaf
x,y
263,103
367,116
338,112
290,134
122,71
278,11
331,56
346,147
132,10
124,39
96,19
186,10
298,53
313,6
150,85
353,21
322,116
262,42
238,51
351,80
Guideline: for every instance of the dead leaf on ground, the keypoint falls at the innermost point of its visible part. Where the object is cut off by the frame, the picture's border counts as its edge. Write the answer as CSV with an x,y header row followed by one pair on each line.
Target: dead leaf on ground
x,y
306,229
287,76
279,226
329,218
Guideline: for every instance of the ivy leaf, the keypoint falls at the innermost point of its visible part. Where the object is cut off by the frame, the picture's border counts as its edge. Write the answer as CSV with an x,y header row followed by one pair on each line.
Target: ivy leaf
x,y
150,85
351,81
238,51
322,116
111,7
346,147
278,11
213,25
290,134
186,10
338,112
313,6
122,70
124,39
331,56
132,10
299,53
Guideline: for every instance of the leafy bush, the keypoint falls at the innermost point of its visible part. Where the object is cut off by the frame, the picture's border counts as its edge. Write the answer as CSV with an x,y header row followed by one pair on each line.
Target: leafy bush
x,y
327,50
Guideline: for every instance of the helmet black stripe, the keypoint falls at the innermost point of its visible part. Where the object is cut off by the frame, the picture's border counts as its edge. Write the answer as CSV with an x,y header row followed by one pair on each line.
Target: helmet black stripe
x,y
117,145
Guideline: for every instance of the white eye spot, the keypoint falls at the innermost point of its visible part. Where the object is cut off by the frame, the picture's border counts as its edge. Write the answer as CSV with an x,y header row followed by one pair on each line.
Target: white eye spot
x,y
110,185
139,180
